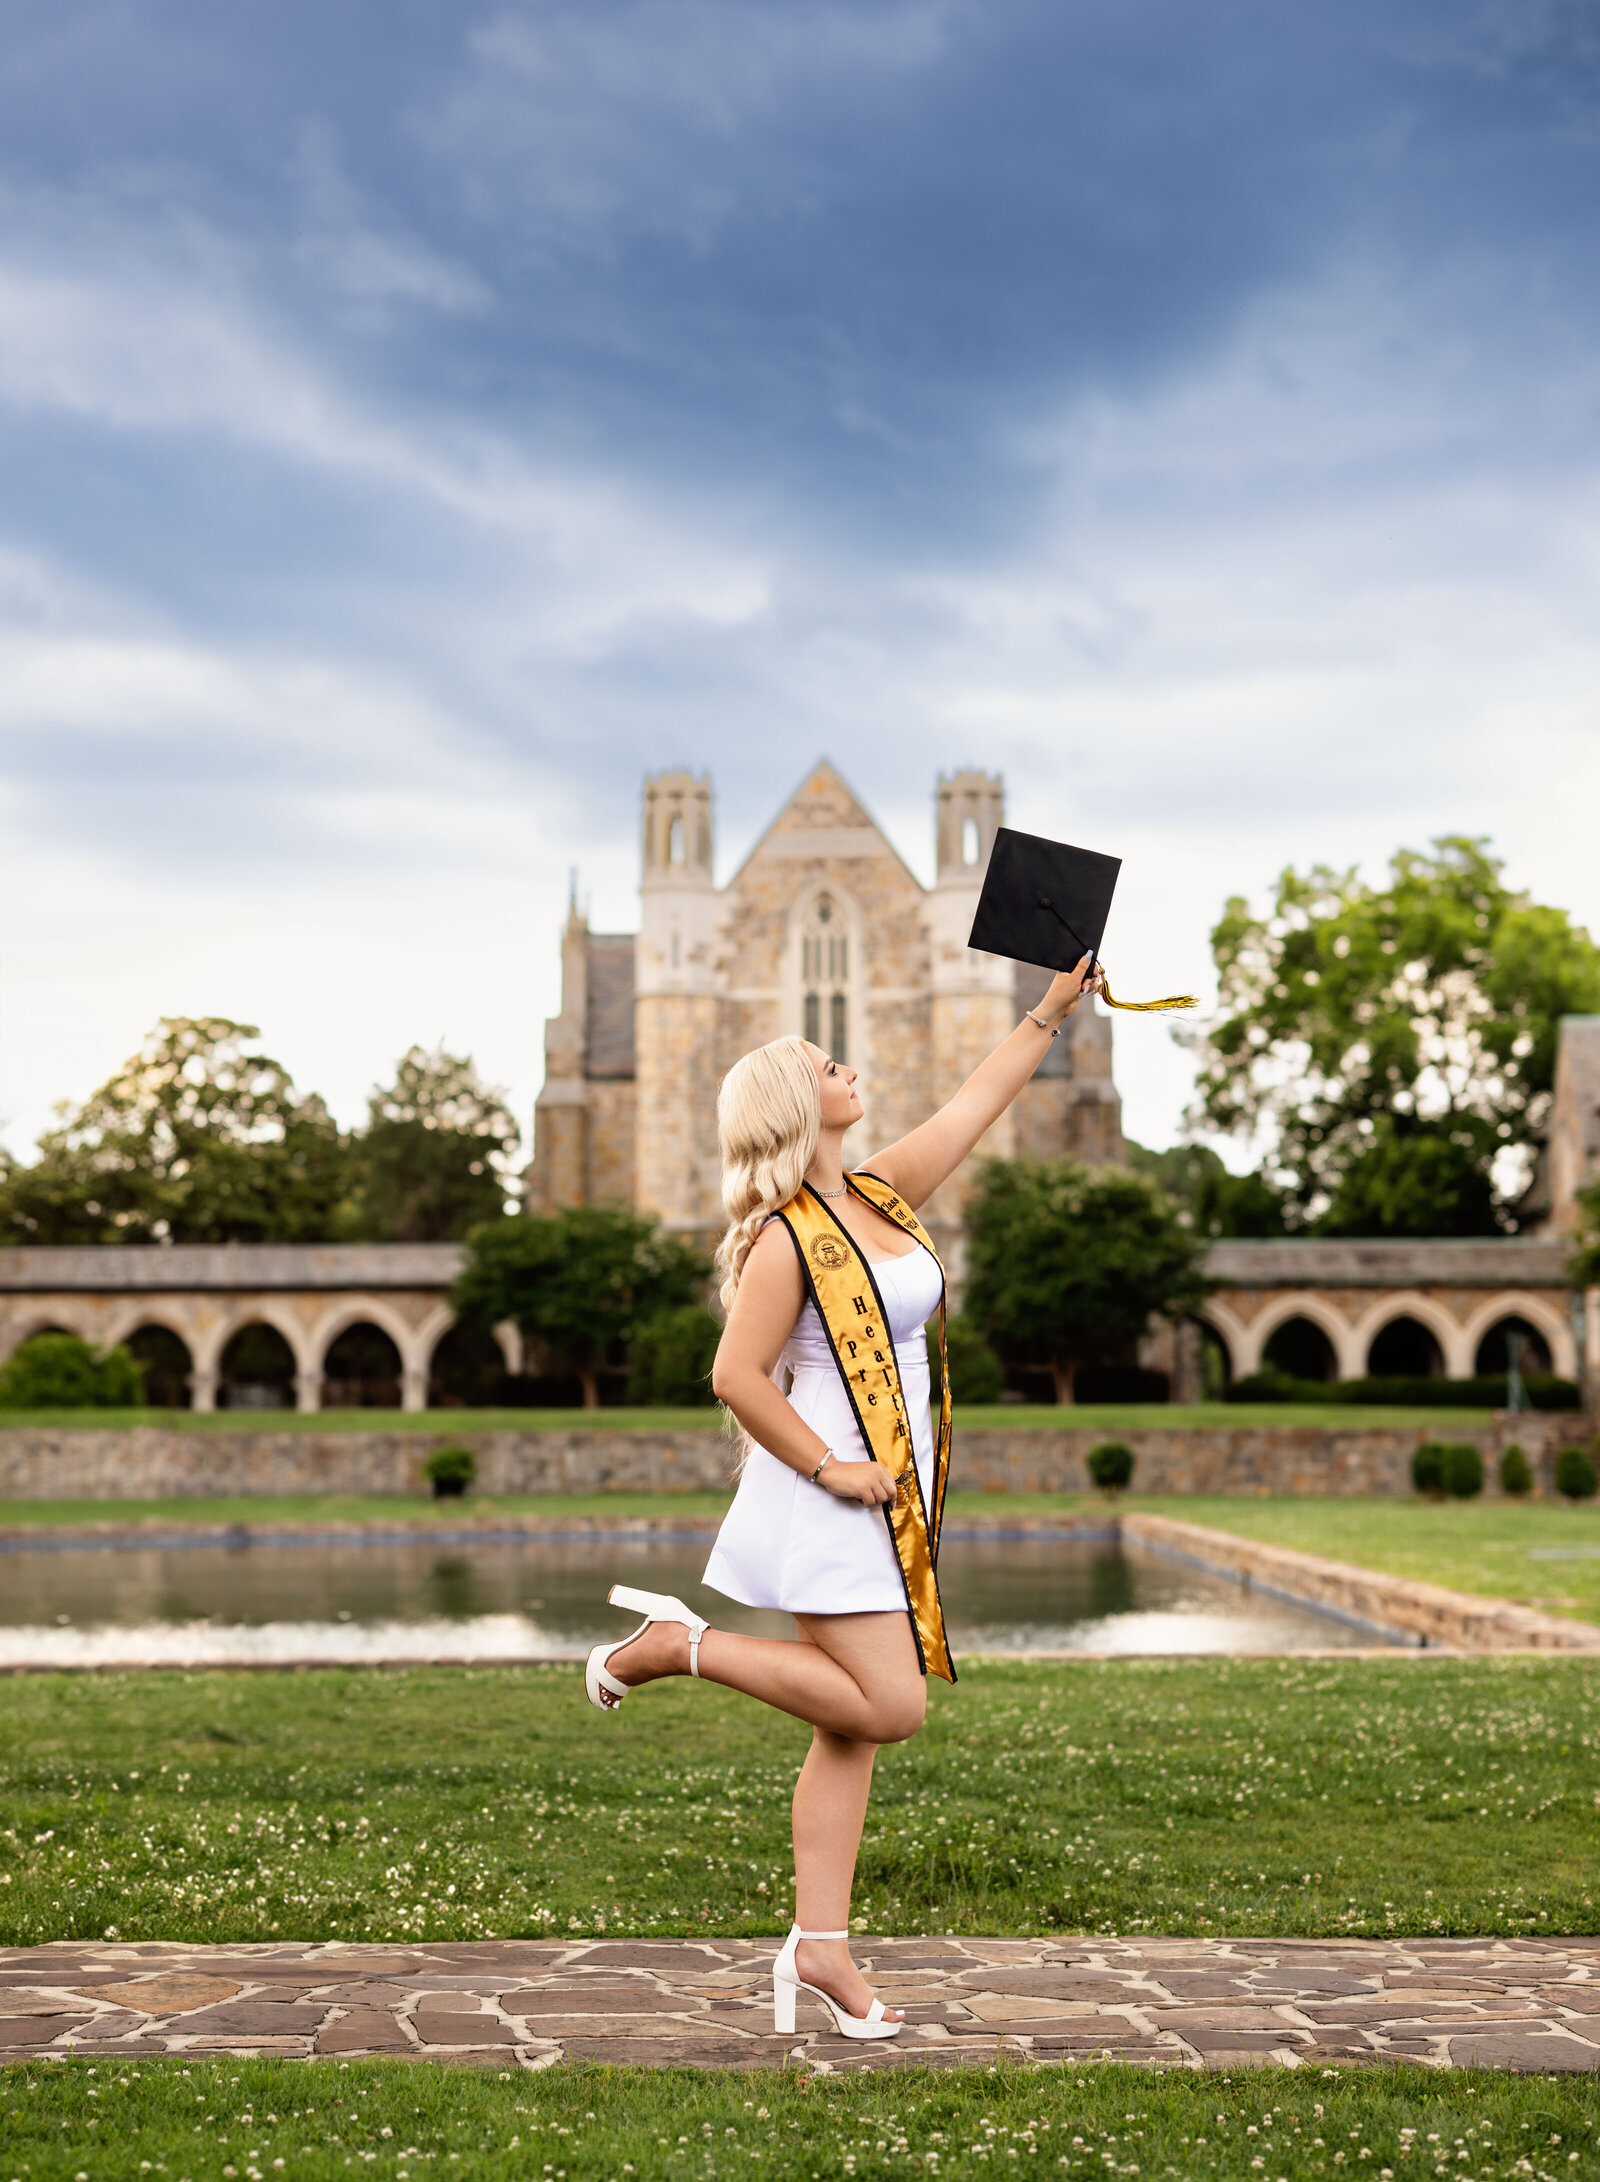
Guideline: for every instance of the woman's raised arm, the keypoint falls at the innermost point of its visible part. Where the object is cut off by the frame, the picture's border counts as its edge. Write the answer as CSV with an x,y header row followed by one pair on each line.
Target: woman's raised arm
x,y
931,1153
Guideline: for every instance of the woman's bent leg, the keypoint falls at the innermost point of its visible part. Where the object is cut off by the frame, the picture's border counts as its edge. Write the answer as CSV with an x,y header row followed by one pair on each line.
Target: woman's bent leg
x,y
856,1675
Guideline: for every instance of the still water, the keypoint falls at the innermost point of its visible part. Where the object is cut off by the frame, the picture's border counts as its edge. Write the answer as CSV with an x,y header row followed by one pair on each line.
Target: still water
x,y
509,1599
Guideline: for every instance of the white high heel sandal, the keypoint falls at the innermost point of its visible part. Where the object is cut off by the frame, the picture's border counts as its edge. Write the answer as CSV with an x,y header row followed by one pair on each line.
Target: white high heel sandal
x,y
655,1606
788,1985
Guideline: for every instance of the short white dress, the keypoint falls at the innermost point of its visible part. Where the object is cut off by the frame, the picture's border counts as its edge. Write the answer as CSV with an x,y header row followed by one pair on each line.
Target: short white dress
x,y
785,1542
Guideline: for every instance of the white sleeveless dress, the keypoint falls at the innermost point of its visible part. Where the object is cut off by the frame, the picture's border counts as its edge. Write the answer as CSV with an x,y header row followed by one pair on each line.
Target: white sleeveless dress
x,y
785,1542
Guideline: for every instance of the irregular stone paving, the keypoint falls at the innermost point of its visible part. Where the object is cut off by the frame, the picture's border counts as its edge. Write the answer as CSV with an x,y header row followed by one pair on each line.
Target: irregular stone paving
x,y
1526,2004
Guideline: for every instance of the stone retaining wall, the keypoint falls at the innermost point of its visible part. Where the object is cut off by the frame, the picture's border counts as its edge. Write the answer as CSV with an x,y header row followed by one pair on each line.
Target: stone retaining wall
x,y
165,1461
1425,1612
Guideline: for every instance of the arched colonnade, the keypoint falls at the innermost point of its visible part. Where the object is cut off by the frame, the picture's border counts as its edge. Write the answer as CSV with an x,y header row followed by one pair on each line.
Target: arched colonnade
x,y
308,1327
1245,1324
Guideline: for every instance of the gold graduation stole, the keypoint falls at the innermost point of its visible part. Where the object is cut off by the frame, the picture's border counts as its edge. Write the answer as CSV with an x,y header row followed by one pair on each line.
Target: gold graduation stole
x,y
840,1283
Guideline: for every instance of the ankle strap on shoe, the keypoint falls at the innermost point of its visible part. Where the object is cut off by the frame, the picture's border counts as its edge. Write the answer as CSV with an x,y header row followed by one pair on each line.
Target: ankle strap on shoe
x,y
799,1935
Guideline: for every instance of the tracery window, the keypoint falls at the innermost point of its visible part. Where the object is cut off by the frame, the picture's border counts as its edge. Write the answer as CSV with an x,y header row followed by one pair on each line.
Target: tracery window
x,y
825,978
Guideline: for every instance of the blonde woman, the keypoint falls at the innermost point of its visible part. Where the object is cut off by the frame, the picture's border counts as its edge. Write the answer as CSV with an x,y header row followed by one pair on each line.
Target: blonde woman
x,y
829,1280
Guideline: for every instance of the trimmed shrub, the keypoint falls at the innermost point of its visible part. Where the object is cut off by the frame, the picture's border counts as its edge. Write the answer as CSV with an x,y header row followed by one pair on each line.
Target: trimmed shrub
x,y
976,1373
1516,1472
1575,1474
1277,1386
670,1358
1110,1465
58,1371
1427,1469
1463,1472
450,1470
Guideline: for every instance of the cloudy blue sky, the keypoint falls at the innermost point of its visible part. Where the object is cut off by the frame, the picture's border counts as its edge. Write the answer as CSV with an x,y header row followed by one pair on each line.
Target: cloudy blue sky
x,y
418,420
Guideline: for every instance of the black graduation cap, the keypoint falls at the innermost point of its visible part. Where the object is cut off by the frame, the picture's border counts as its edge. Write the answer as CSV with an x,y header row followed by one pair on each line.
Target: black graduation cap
x,y
1046,902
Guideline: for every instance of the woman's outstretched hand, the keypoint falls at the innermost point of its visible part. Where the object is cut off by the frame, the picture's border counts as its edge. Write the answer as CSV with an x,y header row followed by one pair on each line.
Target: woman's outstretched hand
x,y
867,1482
1067,988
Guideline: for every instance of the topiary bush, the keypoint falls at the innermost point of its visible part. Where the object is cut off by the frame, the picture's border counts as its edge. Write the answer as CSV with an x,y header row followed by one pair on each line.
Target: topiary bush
x,y
450,1470
670,1358
1427,1469
976,1373
1516,1473
1575,1474
1463,1472
1110,1466
58,1371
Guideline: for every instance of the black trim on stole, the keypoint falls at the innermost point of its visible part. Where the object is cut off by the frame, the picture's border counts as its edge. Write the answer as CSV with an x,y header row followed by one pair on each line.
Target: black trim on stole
x,y
844,1380
931,1528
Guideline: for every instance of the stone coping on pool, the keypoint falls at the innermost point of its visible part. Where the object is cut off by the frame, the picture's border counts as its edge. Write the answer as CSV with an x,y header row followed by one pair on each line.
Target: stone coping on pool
x,y
1425,1614
1532,2005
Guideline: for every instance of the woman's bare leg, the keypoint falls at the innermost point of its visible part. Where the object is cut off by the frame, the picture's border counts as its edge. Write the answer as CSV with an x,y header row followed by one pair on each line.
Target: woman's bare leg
x,y
855,1678
830,1797
867,1688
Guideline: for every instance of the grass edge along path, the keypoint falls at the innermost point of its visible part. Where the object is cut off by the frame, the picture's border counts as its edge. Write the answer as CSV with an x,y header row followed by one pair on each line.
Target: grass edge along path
x,y
1325,1798
196,2118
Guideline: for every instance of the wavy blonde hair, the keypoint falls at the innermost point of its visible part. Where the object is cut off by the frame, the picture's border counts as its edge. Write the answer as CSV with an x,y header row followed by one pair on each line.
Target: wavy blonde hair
x,y
769,1119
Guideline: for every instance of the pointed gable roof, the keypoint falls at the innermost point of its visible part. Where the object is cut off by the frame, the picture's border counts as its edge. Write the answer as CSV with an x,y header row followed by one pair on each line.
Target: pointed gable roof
x,y
824,818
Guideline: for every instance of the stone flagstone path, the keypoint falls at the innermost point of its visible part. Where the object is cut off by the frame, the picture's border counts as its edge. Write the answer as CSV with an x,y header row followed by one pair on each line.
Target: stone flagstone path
x,y
1527,2004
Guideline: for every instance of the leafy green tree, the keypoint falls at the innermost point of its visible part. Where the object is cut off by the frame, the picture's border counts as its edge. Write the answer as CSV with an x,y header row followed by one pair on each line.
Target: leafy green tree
x,y
436,1157
1071,1263
976,1373
1583,1267
200,1138
1209,1199
670,1358
1414,1023
580,1281
58,1371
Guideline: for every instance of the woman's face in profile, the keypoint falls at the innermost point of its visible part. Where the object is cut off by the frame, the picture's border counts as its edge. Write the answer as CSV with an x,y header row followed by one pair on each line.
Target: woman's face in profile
x,y
841,1102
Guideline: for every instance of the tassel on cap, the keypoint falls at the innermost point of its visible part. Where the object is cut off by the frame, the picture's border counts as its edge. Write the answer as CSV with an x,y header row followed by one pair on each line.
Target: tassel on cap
x,y
1145,1007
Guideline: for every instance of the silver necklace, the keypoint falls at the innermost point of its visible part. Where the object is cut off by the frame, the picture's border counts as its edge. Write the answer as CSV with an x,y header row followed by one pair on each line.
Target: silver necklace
x,y
834,1192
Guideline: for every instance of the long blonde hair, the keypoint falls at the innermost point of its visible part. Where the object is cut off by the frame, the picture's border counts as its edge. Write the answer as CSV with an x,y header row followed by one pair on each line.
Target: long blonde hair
x,y
769,1120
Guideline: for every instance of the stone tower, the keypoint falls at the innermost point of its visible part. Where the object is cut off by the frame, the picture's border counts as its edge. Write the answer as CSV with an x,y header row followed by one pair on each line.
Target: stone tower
x,y
677,999
972,996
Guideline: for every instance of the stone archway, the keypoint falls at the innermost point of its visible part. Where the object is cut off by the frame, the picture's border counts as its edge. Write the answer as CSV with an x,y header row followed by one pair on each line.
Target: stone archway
x,y
1301,1348
361,1369
257,1369
1404,1348
1493,1354
168,1367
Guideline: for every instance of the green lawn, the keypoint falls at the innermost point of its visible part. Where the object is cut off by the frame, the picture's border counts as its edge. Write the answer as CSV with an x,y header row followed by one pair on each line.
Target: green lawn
x,y
317,1510
203,2117
1267,1796
1012,1417
1495,1548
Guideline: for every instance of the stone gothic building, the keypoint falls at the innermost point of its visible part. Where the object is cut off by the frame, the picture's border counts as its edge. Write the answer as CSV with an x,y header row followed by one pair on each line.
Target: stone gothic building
x,y
824,931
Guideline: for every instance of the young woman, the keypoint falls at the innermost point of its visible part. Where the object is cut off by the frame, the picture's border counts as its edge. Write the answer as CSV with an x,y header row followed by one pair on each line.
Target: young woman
x,y
836,1516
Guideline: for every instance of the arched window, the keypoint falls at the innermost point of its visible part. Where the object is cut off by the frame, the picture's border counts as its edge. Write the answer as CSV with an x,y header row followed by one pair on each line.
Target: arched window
x,y
969,840
1494,1350
257,1370
361,1370
675,841
166,1363
1301,1348
1404,1349
825,978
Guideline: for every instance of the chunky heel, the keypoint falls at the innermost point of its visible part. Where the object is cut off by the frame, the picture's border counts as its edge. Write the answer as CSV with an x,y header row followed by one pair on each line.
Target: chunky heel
x,y
788,1985
604,1691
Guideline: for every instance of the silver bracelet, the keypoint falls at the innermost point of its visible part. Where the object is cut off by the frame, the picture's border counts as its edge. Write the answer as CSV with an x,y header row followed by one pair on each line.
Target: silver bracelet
x,y
821,1466
1043,1025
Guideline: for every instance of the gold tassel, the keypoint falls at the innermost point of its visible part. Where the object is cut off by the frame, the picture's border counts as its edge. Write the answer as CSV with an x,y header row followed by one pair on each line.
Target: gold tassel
x,y
1145,1007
